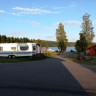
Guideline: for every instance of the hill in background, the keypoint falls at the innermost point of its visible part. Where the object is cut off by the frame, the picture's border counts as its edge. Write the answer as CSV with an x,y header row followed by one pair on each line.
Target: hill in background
x,y
5,39
54,43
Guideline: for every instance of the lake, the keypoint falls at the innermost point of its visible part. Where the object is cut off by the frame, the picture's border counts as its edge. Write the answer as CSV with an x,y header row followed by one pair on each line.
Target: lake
x,y
67,49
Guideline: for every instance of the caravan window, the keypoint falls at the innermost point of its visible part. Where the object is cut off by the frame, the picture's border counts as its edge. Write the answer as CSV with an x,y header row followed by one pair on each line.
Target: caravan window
x,y
13,48
1,48
34,47
24,48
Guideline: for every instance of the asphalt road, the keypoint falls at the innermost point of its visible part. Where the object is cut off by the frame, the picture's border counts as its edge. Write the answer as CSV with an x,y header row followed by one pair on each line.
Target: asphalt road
x,y
50,77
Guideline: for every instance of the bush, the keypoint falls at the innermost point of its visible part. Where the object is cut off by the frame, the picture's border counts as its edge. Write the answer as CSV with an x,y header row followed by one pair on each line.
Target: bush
x,y
87,58
80,58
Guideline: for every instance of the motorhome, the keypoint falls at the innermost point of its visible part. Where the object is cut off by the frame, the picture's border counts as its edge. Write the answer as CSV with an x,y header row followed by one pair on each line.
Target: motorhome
x,y
13,50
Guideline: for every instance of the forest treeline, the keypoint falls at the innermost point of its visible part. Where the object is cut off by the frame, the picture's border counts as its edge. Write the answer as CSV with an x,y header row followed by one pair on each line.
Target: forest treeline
x,y
5,39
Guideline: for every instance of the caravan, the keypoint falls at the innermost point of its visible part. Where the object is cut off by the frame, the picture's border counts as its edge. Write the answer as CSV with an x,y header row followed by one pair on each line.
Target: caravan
x,y
13,50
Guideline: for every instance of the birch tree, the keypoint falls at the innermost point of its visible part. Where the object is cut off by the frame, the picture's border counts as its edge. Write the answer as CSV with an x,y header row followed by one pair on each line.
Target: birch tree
x,y
87,28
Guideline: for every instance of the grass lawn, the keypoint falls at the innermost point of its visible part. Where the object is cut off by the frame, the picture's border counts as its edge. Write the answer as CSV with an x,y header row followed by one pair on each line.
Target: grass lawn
x,y
34,58
92,61
21,59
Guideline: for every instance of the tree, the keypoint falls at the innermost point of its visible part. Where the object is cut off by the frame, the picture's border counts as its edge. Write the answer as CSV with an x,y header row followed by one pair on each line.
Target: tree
x,y
12,39
0,38
40,43
46,46
87,28
61,38
8,40
3,39
81,45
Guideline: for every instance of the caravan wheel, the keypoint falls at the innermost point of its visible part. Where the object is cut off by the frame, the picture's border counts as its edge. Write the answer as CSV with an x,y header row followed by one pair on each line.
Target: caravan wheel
x,y
9,56
13,56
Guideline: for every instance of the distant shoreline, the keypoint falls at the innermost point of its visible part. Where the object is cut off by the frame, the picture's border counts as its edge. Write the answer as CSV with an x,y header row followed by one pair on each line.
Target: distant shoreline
x,y
68,49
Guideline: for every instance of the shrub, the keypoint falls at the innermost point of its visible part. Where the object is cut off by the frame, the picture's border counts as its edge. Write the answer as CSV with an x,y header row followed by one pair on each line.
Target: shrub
x,y
80,58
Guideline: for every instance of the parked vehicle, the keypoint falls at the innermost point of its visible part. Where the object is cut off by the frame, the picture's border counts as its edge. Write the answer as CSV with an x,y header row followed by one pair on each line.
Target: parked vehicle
x,y
13,50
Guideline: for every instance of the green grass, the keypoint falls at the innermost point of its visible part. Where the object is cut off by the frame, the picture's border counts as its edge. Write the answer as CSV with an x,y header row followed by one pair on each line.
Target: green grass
x,y
51,54
91,62
72,59
21,59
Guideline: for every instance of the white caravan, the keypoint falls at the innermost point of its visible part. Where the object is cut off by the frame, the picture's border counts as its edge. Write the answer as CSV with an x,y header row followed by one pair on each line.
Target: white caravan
x,y
13,50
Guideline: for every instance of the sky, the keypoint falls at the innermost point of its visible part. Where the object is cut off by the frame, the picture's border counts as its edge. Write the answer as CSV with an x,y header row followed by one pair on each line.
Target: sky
x,y
39,19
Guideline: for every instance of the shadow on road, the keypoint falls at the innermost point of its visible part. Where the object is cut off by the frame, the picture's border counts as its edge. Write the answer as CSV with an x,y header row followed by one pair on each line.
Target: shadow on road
x,y
38,78
73,55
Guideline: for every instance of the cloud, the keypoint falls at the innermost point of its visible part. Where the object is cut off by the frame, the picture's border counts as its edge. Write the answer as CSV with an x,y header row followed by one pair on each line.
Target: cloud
x,y
38,25
32,10
72,22
14,13
78,23
19,11
2,11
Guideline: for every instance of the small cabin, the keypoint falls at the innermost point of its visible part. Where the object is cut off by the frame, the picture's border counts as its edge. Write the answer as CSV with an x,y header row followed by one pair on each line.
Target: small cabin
x,y
91,51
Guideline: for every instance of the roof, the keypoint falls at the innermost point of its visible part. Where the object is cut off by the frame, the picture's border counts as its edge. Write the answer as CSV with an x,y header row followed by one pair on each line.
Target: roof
x,y
91,46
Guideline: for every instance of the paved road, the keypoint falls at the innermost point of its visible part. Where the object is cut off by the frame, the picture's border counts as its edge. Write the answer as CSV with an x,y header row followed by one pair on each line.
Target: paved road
x,y
50,77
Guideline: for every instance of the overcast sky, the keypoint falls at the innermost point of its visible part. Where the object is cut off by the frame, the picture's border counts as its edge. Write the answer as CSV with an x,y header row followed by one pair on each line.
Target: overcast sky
x,y
38,19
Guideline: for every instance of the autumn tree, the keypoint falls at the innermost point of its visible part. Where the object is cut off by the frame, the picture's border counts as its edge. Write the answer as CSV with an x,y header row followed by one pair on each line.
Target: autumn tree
x,y
61,38
87,28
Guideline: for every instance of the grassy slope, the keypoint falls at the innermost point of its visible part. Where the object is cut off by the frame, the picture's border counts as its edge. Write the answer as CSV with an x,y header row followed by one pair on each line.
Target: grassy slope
x,y
91,62
7,60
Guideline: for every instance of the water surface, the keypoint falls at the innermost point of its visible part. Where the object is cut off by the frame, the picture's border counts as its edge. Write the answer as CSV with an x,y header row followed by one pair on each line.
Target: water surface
x,y
68,49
